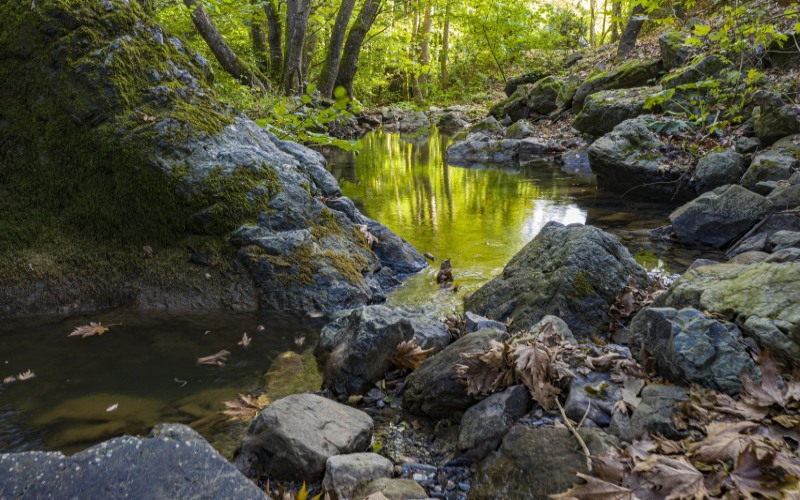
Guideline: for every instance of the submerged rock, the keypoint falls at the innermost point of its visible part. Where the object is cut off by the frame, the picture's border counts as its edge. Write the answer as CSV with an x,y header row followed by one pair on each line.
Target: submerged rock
x,y
536,463
690,347
293,438
573,272
354,350
173,462
137,152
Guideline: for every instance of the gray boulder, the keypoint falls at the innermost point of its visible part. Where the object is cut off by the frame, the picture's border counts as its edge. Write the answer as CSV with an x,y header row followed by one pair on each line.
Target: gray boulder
x,y
573,272
414,122
716,218
764,298
514,82
778,163
354,350
394,489
520,130
536,463
747,145
480,150
533,99
628,75
690,347
474,322
785,197
718,169
624,162
605,110
484,425
346,474
774,118
294,437
434,388
653,416
701,68
173,462
595,392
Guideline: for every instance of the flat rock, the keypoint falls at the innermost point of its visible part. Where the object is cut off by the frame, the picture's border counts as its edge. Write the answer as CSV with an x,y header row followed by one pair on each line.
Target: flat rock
x,y
346,474
605,110
294,437
173,462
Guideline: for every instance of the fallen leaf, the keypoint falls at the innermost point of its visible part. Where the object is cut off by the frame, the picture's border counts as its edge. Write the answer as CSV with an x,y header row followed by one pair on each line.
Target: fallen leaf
x,y
10,379
594,489
244,407
674,477
724,441
409,355
217,359
112,407
144,116
260,328
88,330
148,250
245,342
26,375
370,238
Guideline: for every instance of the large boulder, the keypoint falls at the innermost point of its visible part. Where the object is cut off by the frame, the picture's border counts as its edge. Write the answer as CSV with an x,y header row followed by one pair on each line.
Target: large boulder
x,y
434,388
354,350
294,437
485,424
536,463
764,298
716,218
533,99
774,118
688,346
173,462
628,160
120,144
573,272
717,169
775,164
605,110
480,150
515,81
629,75
701,68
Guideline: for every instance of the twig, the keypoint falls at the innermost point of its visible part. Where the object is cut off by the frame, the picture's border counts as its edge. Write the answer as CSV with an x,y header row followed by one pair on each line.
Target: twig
x,y
583,419
574,432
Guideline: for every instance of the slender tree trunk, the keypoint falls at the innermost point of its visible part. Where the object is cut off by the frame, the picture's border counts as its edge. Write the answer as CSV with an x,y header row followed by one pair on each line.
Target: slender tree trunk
x,y
425,46
327,78
603,25
229,61
616,13
309,50
445,49
413,52
352,46
259,40
274,39
592,23
297,12
628,39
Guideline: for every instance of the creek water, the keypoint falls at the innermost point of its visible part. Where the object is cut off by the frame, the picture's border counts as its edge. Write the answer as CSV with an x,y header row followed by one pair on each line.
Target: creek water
x,y
145,363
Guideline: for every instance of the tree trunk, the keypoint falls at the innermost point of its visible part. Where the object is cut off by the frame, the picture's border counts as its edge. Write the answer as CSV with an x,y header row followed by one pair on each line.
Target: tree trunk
x,y
309,50
229,61
616,13
352,46
592,23
259,40
628,40
327,78
274,39
297,12
424,46
444,77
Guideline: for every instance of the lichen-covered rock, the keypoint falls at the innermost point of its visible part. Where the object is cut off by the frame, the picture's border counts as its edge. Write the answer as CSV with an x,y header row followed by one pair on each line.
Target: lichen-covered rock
x,y
514,82
434,388
690,347
485,424
774,118
716,218
777,163
346,474
629,75
520,130
119,143
354,350
533,99
573,272
718,169
605,110
627,161
294,437
536,463
173,462
764,298
675,51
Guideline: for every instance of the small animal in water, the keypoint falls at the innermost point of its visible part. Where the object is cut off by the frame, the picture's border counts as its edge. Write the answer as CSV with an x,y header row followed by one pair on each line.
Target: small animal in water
x,y
445,274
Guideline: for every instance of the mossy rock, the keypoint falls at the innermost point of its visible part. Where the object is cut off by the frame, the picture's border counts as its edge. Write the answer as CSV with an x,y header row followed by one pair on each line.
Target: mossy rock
x,y
605,110
631,74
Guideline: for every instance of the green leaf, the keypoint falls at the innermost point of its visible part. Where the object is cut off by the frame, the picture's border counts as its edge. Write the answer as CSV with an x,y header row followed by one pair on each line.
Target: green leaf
x,y
312,87
305,99
340,93
702,30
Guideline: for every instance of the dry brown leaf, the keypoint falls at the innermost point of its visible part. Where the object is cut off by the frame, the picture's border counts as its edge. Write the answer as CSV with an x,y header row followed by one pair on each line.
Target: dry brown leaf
x,y
767,393
675,477
724,441
26,375
640,450
594,489
761,477
244,407
610,465
445,274
10,379
245,342
488,371
409,355
217,359
368,237
88,330
533,366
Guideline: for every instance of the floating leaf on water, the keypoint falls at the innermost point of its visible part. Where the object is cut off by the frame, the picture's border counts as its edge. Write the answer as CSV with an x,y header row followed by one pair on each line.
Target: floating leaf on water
x,y
10,379
26,375
88,330
299,340
112,407
217,359
260,328
245,342
244,407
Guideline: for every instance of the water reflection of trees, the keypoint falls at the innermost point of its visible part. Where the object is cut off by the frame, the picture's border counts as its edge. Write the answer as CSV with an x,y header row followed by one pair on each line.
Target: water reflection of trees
x,y
482,215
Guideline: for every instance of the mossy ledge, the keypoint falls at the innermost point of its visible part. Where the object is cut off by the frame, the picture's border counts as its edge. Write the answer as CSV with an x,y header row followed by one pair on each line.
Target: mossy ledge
x,y
112,144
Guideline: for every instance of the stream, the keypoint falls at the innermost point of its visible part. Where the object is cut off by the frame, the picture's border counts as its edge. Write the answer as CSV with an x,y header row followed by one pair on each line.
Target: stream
x,y
145,364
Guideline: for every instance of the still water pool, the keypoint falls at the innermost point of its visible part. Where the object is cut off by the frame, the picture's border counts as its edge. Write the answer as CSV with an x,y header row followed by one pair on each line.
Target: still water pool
x,y
145,364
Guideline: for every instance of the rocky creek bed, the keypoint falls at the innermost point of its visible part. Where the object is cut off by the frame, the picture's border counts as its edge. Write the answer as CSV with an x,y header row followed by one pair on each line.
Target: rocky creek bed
x,y
572,359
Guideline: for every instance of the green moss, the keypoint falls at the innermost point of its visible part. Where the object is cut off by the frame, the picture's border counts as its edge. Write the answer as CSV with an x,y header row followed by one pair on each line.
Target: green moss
x,y
349,266
581,285
327,225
